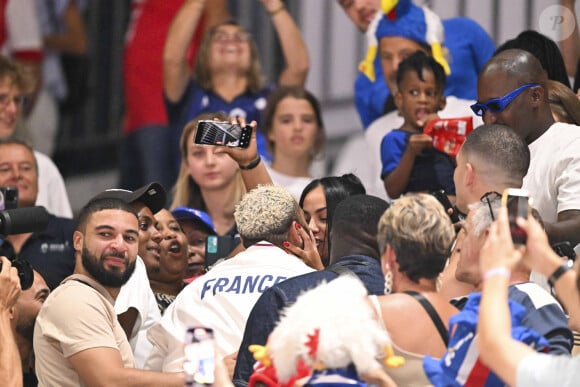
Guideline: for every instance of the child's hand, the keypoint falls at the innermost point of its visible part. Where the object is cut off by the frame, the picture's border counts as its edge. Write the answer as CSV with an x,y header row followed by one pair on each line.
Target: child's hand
x,y
420,141
430,117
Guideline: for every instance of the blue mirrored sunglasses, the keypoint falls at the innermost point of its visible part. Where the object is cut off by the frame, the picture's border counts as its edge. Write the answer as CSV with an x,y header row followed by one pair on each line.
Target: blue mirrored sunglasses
x,y
497,105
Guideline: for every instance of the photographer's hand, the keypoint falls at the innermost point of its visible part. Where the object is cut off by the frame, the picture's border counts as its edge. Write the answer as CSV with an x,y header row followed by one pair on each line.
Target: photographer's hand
x,y
10,364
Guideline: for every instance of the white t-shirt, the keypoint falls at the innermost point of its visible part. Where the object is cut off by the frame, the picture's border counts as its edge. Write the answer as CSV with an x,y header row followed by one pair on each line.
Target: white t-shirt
x,y
137,293
455,107
51,189
221,299
540,369
22,34
553,178
294,185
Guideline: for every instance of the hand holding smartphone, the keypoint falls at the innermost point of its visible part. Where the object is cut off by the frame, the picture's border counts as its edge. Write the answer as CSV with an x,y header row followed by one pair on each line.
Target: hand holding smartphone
x,y
517,202
441,196
222,133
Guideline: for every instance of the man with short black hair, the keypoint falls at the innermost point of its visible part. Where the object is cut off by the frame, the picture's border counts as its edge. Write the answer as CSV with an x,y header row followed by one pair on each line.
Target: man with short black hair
x,y
77,338
492,158
136,306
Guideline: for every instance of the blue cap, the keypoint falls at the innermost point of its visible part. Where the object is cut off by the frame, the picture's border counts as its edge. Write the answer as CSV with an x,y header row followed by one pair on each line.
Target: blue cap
x,y
186,213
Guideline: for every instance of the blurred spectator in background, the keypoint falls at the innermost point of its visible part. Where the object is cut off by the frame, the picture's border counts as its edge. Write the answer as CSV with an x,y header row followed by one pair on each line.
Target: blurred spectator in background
x,y
21,40
294,132
15,84
227,76
564,104
146,154
544,49
50,252
65,49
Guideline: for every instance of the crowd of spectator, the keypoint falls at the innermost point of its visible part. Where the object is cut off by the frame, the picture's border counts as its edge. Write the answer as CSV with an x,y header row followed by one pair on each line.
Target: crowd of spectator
x,y
233,240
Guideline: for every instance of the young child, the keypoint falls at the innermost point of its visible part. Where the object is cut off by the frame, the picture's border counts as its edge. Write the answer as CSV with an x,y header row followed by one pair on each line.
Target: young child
x,y
410,164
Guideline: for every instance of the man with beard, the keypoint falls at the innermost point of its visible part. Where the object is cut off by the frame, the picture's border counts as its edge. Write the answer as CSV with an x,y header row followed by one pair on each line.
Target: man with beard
x,y
136,306
77,338
22,322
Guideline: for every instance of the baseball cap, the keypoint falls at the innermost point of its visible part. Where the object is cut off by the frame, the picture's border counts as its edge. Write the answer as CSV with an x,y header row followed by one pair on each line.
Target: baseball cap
x,y
186,213
152,195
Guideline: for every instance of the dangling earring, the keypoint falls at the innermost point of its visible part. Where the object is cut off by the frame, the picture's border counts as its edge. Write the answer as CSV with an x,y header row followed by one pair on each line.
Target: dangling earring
x,y
388,280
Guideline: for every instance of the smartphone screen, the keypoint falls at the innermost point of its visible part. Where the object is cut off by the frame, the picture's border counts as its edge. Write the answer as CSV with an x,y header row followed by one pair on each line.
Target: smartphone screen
x,y
222,134
199,350
517,203
218,247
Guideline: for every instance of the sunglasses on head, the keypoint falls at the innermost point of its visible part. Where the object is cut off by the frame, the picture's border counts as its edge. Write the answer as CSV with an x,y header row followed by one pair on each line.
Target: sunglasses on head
x,y
498,105
489,197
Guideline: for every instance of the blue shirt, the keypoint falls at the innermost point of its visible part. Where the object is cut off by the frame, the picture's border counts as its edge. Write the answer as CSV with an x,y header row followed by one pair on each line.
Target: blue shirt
x,y
49,252
432,170
469,46
196,101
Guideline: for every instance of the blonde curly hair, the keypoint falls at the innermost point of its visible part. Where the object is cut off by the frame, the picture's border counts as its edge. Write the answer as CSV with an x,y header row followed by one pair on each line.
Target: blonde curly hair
x,y
266,213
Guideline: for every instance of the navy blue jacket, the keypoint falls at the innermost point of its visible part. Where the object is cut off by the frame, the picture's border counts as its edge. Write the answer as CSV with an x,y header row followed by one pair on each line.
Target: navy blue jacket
x,y
266,312
49,252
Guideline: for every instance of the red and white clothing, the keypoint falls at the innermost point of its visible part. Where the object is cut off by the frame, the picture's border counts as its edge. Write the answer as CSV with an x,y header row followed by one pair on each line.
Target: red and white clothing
x,y
143,61
20,36
221,299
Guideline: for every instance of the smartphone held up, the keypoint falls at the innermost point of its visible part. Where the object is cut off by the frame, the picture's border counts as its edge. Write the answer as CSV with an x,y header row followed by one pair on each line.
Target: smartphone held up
x,y
222,133
199,364
517,202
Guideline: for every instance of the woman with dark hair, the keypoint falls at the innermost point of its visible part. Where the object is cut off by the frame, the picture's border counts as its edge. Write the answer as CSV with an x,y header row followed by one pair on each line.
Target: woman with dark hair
x,y
318,201
544,49
227,75
294,132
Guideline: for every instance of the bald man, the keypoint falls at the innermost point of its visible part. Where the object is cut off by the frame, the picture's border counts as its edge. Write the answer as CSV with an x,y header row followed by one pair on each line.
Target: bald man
x,y
511,91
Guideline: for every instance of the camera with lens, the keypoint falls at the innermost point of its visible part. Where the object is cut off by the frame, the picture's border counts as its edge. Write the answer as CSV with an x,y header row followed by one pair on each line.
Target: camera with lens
x,y
25,272
8,198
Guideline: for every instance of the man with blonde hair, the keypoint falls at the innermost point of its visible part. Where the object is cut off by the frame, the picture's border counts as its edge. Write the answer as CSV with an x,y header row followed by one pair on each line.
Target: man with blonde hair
x,y
267,218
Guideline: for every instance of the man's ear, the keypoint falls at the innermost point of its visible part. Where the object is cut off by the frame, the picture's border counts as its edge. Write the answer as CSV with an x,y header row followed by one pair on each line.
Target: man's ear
x,y
537,95
78,239
469,176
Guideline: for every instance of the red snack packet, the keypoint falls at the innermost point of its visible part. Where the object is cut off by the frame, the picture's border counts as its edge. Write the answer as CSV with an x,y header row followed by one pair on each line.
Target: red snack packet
x,y
449,133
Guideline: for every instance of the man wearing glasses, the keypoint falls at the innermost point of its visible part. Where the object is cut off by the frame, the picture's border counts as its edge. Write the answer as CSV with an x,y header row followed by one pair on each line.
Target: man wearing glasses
x,y
511,92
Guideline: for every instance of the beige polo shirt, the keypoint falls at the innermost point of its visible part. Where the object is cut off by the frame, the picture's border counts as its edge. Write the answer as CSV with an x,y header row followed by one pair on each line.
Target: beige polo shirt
x,y
78,315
